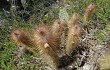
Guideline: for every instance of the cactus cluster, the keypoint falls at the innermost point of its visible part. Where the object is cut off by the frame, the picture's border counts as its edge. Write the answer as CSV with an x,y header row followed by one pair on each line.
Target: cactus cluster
x,y
48,39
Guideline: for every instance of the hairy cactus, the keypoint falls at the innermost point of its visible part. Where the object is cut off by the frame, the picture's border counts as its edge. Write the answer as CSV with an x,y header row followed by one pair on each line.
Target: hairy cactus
x,y
23,39
88,13
74,33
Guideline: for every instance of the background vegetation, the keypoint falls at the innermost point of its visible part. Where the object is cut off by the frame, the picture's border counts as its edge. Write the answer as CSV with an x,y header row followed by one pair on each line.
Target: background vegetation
x,y
41,13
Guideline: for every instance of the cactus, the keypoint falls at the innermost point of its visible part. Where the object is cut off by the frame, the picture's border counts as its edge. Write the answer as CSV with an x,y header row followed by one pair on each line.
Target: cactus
x,y
22,39
74,33
88,13
42,35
